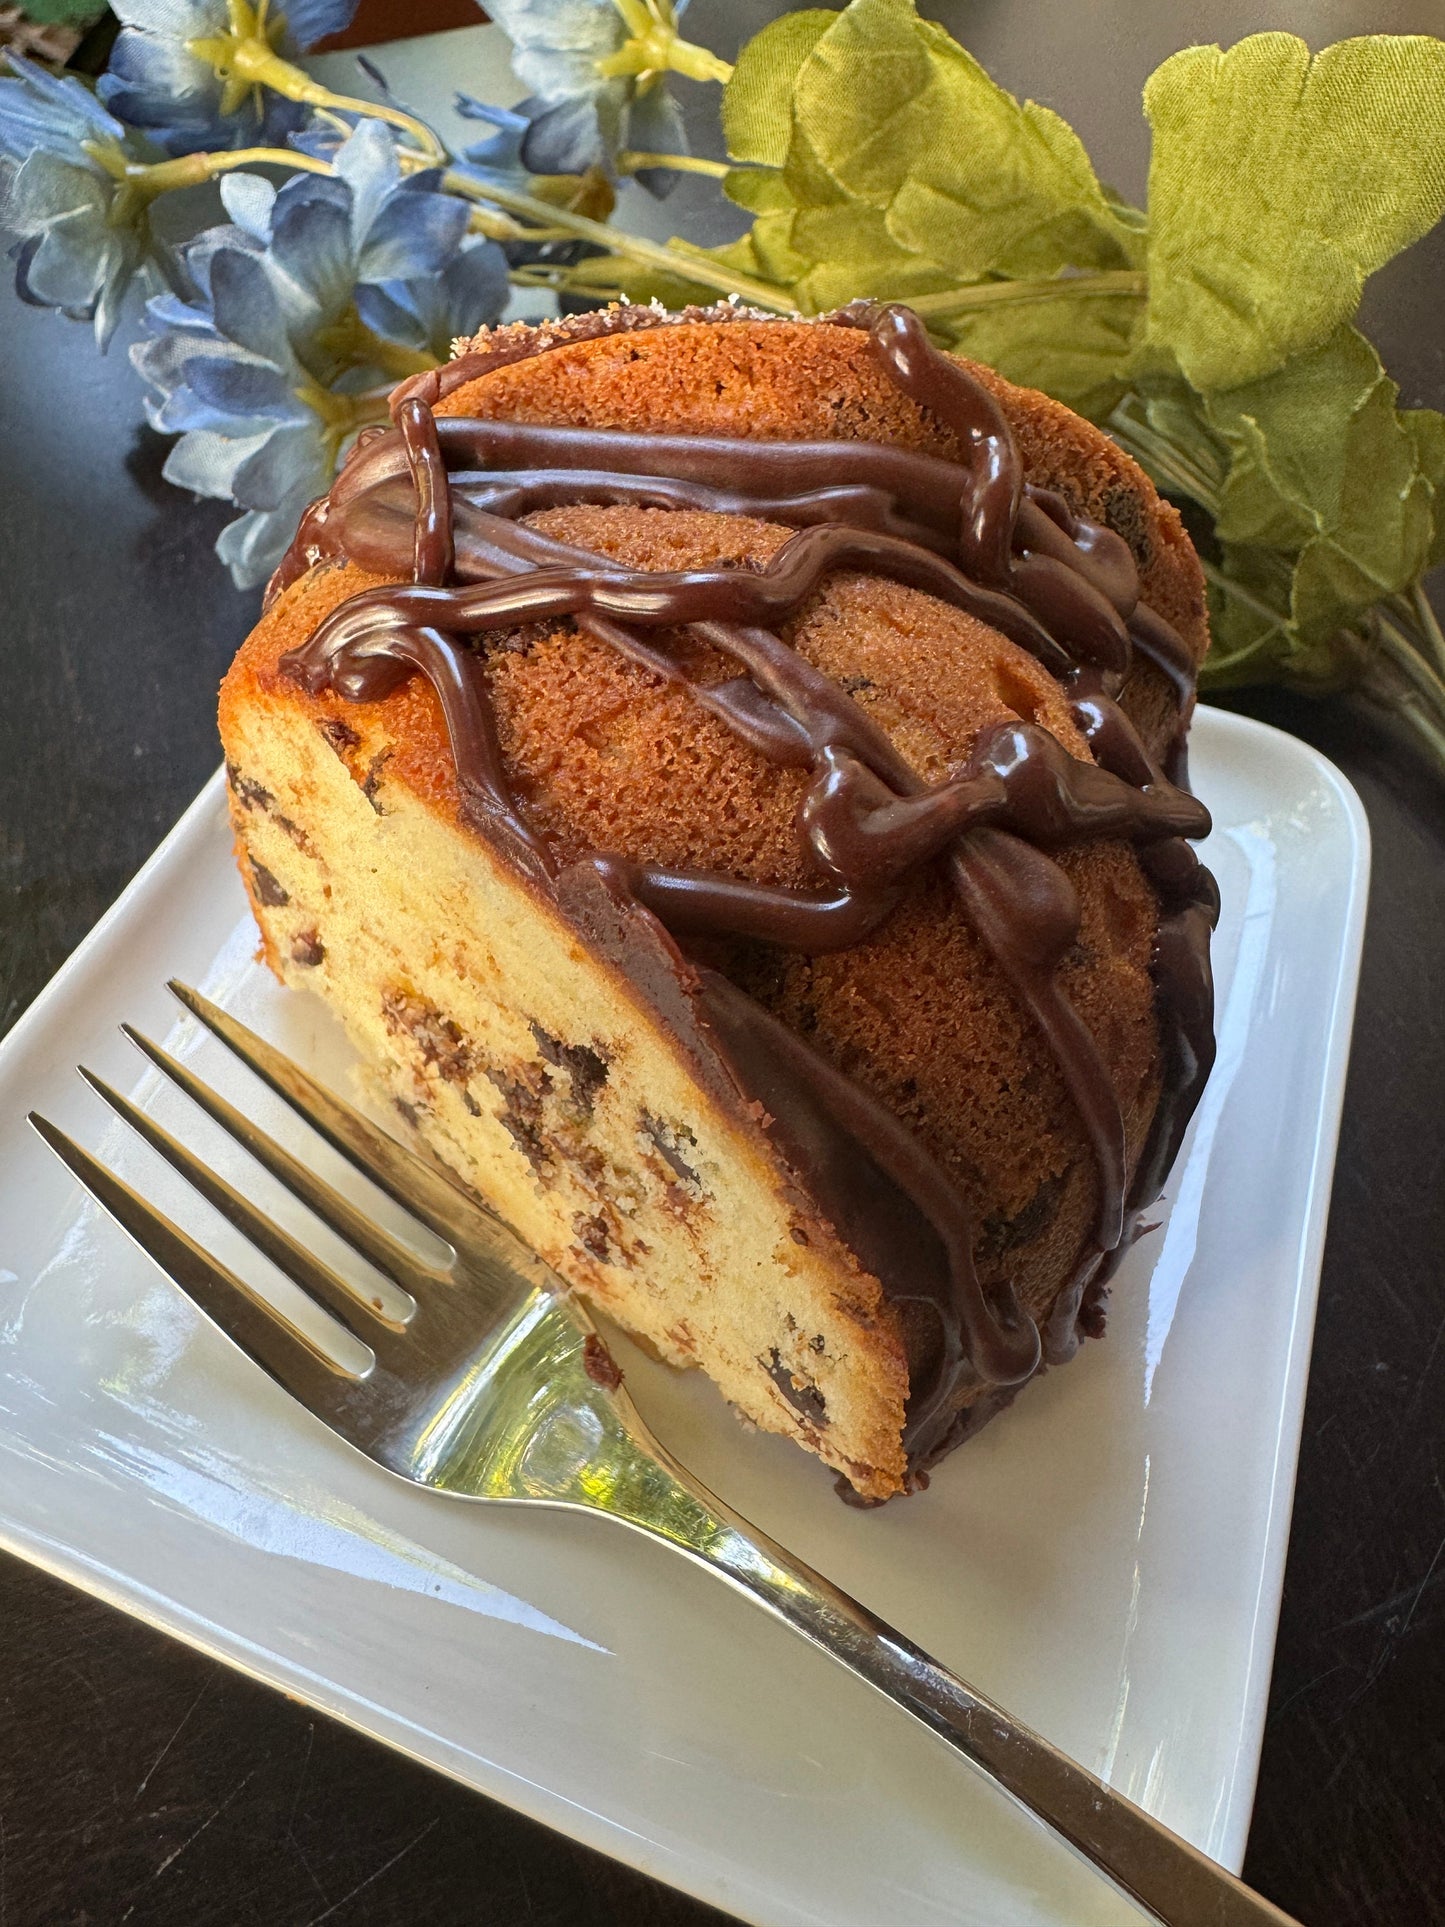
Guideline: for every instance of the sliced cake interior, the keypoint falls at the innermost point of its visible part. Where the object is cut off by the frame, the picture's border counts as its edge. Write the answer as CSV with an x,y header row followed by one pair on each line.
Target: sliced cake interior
x,y
592,1114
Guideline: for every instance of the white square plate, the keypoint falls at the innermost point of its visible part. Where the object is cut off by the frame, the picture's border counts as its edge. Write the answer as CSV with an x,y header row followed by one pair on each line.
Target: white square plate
x,y
1105,1559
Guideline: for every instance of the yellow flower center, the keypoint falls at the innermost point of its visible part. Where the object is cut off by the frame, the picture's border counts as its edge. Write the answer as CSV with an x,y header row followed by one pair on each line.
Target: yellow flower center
x,y
244,58
654,46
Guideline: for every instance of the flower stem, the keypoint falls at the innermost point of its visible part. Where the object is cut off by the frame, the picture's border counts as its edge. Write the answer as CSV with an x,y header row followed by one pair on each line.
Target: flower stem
x,y
244,58
1429,625
349,340
1127,282
1166,462
282,78
631,162
699,63
194,170
501,227
1394,656
1404,650
669,259
1227,585
1424,725
1399,681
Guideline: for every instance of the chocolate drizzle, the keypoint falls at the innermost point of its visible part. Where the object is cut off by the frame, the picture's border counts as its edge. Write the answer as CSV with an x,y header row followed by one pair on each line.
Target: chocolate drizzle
x,y
440,497
433,548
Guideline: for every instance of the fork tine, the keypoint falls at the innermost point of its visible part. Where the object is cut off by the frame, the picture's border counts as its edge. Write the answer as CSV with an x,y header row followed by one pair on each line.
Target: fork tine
x,y
265,1335
302,1267
415,1185
388,1254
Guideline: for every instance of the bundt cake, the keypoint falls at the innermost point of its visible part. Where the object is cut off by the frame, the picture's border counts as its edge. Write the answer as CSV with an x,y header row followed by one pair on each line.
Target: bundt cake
x,y
725,771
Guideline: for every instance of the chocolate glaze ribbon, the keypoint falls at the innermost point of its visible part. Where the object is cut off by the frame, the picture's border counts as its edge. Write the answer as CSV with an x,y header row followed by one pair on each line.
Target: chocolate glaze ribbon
x,y
440,498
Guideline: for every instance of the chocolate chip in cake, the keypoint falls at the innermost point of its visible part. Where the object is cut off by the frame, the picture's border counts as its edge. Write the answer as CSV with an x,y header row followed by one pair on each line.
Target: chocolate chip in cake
x,y
521,1119
250,794
268,889
1126,515
998,1234
804,1397
520,641
592,1234
297,835
339,734
590,1164
585,1066
307,949
668,1139
371,782
441,1042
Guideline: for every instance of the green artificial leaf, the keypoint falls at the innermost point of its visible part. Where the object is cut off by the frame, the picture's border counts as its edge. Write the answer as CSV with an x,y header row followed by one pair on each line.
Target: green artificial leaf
x,y
1278,183
1331,504
1427,429
757,106
766,251
901,168
1252,637
1323,463
1074,346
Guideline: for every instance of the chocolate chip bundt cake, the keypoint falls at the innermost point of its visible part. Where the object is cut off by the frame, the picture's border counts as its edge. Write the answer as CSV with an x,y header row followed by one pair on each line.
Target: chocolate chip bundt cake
x,y
726,773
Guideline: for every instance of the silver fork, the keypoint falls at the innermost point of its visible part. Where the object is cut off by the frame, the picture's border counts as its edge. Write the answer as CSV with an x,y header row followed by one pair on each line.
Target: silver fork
x,y
495,1386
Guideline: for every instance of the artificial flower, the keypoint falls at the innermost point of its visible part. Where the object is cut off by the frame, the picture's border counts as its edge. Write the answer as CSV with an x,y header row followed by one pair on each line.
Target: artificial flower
x,y
593,97
83,226
189,71
497,162
428,314
499,157
300,314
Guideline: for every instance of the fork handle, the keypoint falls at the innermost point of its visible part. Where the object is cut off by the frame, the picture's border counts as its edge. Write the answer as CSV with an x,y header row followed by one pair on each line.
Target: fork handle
x,y
1154,1866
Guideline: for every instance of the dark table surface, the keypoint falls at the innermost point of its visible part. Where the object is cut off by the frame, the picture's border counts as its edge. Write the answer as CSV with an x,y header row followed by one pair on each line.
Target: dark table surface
x,y
141,1782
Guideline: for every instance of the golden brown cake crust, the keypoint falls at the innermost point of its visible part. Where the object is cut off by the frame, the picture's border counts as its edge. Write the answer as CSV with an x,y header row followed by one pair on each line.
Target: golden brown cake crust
x,y
777,378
